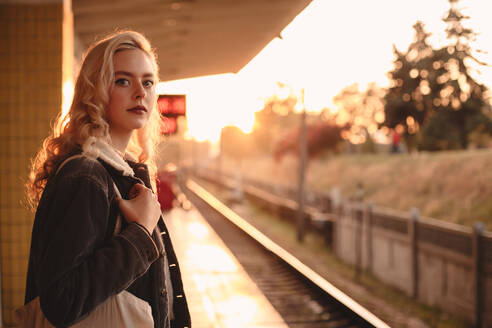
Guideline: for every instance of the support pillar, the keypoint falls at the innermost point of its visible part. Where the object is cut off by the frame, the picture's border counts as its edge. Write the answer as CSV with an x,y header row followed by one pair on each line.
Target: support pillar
x,y
35,61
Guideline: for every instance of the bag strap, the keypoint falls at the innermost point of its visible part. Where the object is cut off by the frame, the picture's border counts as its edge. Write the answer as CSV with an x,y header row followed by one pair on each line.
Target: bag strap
x,y
117,226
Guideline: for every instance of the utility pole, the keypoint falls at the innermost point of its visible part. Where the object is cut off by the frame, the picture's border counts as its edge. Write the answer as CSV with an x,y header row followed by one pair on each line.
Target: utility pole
x,y
301,218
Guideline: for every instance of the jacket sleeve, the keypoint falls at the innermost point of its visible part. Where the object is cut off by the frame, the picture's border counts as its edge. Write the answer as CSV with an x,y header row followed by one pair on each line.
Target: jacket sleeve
x,y
78,269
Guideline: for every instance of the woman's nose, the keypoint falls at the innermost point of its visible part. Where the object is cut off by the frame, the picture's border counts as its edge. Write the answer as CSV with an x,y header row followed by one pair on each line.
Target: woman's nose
x,y
139,91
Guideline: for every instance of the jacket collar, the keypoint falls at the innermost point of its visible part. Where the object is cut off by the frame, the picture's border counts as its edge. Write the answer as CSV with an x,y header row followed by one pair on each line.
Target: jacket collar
x,y
97,148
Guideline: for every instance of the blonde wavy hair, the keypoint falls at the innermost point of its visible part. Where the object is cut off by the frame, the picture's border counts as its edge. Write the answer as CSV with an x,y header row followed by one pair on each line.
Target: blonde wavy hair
x,y
86,121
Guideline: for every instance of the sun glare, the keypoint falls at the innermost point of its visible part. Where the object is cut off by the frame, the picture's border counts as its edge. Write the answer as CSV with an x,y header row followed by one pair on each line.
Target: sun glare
x,y
329,46
214,102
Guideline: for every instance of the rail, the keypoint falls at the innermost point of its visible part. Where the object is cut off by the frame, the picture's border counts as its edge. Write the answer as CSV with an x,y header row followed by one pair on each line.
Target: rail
x,y
285,256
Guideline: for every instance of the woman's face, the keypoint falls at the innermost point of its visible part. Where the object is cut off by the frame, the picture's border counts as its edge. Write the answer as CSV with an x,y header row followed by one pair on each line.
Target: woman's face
x,y
133,94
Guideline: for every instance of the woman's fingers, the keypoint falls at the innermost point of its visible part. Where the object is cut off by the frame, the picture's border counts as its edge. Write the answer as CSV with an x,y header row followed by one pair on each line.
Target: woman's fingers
x,y
142,208
135,190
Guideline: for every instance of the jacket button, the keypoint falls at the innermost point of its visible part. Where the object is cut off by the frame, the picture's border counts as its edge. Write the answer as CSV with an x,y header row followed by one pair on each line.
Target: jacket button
x,y
163,292
163,253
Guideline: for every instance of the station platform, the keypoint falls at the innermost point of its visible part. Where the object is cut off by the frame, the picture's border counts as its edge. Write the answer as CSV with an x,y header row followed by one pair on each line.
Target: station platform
x,y
220,294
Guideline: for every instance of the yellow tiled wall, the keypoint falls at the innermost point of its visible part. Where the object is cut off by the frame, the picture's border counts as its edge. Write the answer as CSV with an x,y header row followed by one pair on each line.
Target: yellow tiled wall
x,y
31,72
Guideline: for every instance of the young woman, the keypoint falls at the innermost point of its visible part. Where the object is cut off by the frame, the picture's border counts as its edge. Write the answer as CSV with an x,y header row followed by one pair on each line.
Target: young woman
x,y
81,252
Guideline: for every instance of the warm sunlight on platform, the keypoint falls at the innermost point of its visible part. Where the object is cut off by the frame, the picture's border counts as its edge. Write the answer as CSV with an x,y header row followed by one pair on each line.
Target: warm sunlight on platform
x,y
198,230
219,292
210,258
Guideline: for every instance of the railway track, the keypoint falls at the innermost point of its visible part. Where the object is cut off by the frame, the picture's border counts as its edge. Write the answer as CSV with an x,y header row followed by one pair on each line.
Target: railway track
x,y
302,297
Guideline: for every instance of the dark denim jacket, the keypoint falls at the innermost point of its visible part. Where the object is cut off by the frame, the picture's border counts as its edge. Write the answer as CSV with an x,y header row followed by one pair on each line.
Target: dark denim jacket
x,y
76,262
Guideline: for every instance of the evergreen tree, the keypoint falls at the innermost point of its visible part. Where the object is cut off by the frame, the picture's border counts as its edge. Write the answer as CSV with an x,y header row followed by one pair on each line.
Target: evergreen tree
x,y
405,103
433,96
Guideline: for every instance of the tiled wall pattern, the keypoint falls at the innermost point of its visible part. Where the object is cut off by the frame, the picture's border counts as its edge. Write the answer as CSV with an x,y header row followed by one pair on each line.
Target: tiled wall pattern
x,y
30,98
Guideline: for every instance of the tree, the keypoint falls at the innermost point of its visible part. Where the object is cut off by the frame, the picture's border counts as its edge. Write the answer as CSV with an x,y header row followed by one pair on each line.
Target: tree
x,y
408,101
361,111
276,117
320,136
433,95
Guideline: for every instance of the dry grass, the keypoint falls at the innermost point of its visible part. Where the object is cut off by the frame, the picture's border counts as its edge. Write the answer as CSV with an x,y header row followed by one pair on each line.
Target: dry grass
x,y
450,186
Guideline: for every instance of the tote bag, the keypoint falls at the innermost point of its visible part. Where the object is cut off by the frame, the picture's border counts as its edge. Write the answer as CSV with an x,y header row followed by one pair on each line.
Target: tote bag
x,y
123,310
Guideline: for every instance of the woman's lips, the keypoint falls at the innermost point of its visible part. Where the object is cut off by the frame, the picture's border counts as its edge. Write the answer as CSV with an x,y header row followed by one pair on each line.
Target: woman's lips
x,y
138,110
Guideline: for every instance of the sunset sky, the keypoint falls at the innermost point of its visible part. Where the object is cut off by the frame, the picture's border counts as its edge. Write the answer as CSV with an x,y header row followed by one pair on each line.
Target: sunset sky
x,y
330,45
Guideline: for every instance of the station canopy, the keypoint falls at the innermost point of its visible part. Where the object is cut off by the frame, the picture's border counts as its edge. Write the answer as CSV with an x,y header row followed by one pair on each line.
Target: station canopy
x,y
192,37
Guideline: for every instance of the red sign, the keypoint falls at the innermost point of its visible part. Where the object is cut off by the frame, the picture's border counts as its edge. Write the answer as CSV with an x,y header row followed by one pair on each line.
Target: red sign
x,y
169,125
170,107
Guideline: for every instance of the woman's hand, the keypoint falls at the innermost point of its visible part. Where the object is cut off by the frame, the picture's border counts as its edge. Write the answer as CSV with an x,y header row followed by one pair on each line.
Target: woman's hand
x,y
142,207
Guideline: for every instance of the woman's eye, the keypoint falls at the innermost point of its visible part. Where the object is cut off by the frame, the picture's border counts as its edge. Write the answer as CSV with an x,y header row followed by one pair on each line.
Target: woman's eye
x,y
148,83
122,82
